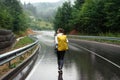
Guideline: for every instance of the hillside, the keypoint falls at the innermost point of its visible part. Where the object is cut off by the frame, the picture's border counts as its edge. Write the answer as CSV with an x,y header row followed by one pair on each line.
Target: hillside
x,y
43,10
46,11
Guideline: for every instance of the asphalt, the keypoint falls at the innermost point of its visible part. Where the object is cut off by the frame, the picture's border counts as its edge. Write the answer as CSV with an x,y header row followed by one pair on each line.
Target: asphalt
x,y
79,64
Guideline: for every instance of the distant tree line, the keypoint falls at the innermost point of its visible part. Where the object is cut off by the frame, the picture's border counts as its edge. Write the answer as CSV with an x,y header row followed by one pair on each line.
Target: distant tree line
x,y
89,16
30,9
43,11
12,16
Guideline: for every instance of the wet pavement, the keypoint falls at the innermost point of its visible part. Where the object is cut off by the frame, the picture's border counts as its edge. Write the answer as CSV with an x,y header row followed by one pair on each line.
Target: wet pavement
x,y
78,65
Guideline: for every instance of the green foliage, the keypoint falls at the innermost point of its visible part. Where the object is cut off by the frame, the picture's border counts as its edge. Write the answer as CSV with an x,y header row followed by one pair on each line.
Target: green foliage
x,y
12,16
40,25
63,16
91,17
112,11
78,4
5,17
23,42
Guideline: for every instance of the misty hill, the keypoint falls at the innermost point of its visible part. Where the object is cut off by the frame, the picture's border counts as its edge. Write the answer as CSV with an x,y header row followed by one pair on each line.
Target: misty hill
x,y
43,10
46,11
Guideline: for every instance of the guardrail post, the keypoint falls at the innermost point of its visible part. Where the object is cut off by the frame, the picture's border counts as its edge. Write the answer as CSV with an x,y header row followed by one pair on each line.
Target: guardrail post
x,y
9,64
21,58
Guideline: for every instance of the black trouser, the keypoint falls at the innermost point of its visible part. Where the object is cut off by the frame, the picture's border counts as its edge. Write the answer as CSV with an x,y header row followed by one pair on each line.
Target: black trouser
x,y
60,57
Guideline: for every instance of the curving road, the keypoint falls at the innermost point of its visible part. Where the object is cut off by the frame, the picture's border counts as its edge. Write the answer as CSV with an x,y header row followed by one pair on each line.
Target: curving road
x,y
79,64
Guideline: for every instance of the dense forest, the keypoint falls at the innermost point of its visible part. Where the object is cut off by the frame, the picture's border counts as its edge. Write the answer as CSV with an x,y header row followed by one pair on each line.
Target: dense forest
x,y
12,16
89,16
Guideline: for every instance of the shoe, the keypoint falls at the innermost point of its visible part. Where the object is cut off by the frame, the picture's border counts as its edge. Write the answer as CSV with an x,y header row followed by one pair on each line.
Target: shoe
x,y
60,72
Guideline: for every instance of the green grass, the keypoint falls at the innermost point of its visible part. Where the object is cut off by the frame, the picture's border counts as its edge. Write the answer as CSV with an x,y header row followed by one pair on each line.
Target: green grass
x,y
110,34
45,25
23,42
105,41
41,25
101,34
99,40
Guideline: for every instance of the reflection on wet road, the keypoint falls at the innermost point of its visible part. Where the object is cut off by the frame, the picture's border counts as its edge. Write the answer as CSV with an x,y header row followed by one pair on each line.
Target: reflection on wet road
x,y
79,64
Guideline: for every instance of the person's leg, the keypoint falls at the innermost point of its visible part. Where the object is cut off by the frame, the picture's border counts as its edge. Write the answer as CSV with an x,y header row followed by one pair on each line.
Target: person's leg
x,y
61,60
58,59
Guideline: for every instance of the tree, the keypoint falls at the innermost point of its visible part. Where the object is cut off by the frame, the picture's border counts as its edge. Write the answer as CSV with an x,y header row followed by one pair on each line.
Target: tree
x,y
112,12
5,17
15,10
78,4
92,16
75,14
63,16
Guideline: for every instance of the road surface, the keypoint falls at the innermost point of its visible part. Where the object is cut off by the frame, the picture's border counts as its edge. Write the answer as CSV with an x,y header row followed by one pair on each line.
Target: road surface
x,y
79,64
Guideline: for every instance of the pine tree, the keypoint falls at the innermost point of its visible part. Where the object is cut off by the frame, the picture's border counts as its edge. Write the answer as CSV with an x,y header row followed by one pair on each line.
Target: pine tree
x,y
63,16
16,11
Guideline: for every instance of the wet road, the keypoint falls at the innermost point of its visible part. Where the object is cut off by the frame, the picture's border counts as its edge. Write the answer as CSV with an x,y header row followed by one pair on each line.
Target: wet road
x,y
79,64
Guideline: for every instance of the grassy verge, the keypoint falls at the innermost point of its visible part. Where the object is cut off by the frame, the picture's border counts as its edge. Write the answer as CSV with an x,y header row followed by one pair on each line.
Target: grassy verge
x,y
116,42
41,25
22,42
110,34
99,40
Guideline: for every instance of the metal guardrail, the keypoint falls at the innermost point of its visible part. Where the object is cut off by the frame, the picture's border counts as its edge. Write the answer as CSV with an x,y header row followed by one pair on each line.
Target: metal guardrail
x,y
6,57
23,68
21,72
95,37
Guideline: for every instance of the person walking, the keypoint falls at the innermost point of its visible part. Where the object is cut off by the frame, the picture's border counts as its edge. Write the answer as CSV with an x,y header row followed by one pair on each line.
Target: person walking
x,y
61,42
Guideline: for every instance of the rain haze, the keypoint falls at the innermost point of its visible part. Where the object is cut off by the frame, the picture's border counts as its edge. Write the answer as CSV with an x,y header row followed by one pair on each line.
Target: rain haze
x,y
59,39
35,1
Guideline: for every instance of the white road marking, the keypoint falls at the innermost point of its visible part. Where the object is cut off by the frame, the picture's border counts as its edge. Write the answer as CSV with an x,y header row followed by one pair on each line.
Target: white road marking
x,y
36,66
99,56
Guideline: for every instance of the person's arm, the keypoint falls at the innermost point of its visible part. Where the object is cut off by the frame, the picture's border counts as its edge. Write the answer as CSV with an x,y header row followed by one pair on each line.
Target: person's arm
x,y
67,41
56,42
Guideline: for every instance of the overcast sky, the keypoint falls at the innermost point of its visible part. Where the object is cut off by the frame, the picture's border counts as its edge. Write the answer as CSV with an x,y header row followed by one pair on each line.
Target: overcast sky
x,y
34,1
